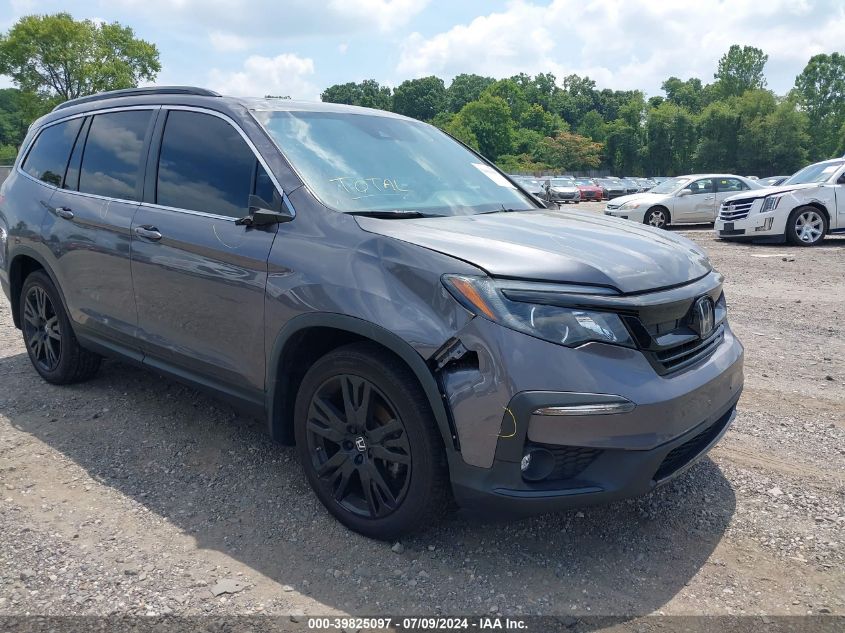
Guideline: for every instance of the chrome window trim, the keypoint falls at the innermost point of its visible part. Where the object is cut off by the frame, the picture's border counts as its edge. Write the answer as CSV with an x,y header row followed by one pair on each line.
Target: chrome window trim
x,y
249,143
220,115
25,152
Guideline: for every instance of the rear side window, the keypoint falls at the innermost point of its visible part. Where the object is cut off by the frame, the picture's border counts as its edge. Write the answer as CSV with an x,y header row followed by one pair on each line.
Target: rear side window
x,y
47,160
204,165
111,162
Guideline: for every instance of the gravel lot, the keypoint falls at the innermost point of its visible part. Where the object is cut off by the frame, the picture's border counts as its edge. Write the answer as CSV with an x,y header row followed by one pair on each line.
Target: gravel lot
x,y
134,495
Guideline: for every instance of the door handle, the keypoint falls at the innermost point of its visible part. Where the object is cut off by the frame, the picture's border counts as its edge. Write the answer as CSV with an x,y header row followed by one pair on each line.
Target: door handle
x,y
62,212
148,233
710,198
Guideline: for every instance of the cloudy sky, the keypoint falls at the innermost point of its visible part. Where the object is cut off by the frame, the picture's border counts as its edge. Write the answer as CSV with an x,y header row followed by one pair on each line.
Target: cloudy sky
x,y
298,47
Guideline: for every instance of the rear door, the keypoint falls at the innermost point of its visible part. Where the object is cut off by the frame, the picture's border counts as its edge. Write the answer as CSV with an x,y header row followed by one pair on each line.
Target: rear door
x,y
87,226
699,205
199,278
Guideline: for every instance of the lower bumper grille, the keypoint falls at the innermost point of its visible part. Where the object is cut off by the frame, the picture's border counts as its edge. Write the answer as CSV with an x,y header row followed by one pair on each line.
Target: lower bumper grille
x,y
570,461
682,455
677,357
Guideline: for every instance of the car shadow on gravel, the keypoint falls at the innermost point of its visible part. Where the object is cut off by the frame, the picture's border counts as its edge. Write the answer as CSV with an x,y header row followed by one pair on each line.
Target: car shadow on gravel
x,y
217,477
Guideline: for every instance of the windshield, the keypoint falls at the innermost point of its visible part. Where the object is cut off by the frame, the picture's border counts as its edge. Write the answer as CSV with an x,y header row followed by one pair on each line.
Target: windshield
x,y
585,183
361,163
563,182
820,172
668,186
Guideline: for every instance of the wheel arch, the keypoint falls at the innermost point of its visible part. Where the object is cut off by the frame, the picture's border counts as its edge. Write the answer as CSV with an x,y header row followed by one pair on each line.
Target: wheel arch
x,y
309,336
816,205
23,263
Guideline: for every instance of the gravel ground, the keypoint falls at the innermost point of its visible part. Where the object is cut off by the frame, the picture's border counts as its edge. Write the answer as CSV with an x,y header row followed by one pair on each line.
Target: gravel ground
x,y
134,495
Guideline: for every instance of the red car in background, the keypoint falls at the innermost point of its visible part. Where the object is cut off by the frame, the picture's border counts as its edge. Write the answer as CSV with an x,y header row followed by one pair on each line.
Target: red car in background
x,y
589,189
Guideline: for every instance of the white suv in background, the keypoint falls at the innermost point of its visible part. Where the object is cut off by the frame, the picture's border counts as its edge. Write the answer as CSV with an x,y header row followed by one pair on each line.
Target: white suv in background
x,y
685,199
806,207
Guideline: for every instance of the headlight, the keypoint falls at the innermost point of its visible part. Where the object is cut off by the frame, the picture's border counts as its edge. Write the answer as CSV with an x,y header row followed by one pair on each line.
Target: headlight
x,y
771,202
572,327
630,205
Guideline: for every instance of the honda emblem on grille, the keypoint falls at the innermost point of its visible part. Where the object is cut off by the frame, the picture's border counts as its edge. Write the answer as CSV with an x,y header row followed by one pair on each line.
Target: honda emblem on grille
x,y
703,316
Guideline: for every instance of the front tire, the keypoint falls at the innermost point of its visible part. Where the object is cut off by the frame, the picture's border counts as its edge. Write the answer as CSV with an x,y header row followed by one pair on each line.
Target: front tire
x,y
806,226
657,217
368,442
50,342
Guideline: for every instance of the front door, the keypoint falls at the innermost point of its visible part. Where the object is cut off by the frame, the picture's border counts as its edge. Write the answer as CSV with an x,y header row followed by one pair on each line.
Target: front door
x,y
697,206
199,278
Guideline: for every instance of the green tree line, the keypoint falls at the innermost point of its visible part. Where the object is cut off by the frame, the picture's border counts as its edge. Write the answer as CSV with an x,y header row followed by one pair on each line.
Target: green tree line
x,y
52,58
733,124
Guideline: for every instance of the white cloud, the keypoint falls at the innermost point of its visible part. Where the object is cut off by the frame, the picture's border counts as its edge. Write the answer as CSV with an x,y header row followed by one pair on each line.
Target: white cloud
x,y
342,48
270,18
386,15
227,42
285,75
628,44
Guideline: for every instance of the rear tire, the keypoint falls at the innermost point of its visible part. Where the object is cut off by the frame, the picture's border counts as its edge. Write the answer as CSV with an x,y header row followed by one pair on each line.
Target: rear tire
x,y
806,226
50,342
368,443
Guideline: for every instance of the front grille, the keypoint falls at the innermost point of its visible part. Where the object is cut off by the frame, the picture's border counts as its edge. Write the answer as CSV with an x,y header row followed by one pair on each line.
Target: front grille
x,y
570,461
736,210
682,455
685,354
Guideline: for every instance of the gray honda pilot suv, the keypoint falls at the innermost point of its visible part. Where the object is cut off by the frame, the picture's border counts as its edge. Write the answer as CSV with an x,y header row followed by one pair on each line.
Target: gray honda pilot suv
x,y
413,320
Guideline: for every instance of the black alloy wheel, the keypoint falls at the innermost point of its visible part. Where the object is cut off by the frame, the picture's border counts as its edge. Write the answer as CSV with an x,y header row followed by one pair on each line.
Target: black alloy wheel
x,y
42,329
47,333
369,443
358,445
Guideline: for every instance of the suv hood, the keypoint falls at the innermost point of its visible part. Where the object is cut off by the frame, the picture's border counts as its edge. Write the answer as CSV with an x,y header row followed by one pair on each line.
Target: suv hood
x,y
565,247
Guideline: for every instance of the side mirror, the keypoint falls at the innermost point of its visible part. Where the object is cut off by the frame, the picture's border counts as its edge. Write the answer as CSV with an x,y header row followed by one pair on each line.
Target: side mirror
x,y
684,192
260,214
841,180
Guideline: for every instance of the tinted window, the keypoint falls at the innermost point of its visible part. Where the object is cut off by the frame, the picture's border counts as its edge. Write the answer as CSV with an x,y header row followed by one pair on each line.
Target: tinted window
x,y
47,160
705,185
111,161
730,184
204,165
265,189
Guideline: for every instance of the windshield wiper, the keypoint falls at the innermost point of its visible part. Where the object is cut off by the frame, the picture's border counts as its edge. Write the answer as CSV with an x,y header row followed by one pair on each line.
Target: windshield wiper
x,y
391,214
503,210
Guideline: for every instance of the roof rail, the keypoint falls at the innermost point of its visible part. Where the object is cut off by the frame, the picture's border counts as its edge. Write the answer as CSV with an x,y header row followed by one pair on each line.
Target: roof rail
x,y
134,92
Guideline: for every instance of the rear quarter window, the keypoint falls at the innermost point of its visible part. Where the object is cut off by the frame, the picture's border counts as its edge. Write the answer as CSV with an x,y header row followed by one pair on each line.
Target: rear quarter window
x,y
47,160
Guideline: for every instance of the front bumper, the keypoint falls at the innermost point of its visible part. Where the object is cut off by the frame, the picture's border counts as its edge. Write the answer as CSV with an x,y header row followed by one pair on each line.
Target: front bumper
x,y
767,224
636,215
677,418
610,475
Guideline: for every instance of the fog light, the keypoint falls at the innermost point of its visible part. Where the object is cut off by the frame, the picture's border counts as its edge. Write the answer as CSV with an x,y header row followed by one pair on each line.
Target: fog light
x,y
767,225
537,464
